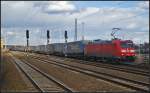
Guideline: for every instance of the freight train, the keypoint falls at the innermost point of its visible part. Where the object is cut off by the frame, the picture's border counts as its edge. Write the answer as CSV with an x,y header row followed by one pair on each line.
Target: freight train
x,y
116,49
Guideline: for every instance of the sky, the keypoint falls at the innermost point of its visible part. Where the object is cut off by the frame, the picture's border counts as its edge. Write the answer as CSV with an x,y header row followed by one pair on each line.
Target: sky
x,y
99,18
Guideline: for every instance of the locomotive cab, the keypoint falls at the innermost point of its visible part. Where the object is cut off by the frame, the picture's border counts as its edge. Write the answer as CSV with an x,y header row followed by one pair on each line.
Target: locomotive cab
x,y
124,50
127,50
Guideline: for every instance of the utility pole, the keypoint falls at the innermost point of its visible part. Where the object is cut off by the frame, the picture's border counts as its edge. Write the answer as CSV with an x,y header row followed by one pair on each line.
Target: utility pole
x,y
82,30
75,37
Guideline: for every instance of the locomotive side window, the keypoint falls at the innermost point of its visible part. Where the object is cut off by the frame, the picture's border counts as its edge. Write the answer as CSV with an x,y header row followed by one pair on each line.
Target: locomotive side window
x,y
126,44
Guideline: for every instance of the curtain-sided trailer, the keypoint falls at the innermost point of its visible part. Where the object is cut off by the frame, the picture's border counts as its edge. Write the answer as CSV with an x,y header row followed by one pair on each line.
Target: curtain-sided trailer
x,y
76,49
58,49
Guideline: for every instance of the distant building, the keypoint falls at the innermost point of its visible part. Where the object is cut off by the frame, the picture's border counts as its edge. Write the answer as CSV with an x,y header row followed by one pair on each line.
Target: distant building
x,y
142,48
2,43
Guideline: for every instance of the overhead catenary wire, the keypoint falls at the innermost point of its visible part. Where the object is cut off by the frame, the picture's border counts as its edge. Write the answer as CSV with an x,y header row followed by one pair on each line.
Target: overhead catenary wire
x,y
30,18
127,18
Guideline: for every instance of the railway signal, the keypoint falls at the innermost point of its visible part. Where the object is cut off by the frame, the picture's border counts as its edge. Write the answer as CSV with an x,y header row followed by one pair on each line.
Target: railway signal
x,y
66,37
27,36
48,36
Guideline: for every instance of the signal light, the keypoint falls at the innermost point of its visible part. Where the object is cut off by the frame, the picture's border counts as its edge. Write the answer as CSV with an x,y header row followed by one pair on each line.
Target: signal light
x,y
48,34
66,35
27,33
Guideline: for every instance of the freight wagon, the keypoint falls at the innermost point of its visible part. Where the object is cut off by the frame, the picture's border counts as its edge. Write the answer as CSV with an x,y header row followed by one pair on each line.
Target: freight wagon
x,y
76,49
58,49
41,49
50,49
16,47
33,48
10,47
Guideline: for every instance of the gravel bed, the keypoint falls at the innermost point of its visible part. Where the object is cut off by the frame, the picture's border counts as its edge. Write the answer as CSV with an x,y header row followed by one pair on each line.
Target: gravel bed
x,y
109,71
78,81
136,65
105,70
12,81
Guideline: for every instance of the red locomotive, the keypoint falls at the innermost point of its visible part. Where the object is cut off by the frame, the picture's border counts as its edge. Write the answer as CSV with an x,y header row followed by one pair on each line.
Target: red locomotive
x,y
114,49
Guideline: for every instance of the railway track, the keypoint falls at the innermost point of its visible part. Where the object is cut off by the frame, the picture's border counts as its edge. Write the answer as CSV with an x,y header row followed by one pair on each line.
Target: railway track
x,y
41,81
124,69
135,85
109,66
131,70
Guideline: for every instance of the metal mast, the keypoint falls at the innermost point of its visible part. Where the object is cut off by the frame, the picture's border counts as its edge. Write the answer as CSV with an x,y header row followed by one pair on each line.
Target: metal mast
x,y
82,30
75,37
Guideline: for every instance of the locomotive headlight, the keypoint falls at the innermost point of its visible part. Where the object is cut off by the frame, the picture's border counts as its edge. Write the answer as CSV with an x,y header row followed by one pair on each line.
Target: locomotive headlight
x,y
132,50
123,50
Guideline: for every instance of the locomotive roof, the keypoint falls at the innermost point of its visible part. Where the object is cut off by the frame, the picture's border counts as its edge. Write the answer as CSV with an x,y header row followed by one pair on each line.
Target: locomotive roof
x,y
83,41
80,41
97,41
102,41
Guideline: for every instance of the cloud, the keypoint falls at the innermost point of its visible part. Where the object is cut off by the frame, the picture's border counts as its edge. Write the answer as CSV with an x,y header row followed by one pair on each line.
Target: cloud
x,y
56,6
85,12
11,33
131,26
144,5
58,16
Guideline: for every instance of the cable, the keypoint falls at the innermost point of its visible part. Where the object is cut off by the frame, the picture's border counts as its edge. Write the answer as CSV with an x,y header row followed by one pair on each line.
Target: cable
x,y
131,17
127,18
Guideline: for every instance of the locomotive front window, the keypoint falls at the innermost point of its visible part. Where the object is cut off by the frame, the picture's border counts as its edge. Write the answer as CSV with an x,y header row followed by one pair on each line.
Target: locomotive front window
x,y
126,44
